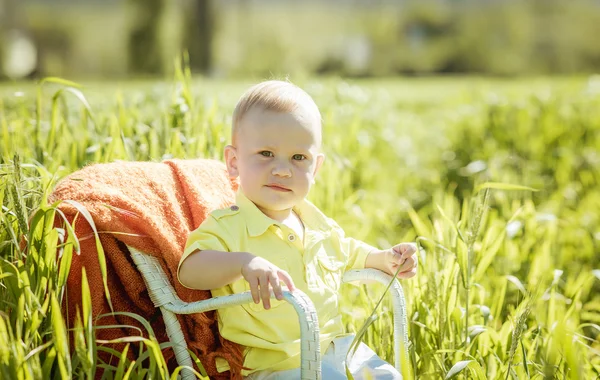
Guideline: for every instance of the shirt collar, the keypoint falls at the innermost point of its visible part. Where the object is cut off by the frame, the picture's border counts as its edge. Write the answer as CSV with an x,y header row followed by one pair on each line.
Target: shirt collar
x,y
257,223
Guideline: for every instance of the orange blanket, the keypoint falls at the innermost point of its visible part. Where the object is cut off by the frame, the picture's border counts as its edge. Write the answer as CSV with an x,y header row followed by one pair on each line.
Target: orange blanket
x,y
162,202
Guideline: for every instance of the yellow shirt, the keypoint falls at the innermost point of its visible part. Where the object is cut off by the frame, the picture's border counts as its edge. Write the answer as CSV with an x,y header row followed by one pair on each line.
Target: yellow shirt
x,y
272,337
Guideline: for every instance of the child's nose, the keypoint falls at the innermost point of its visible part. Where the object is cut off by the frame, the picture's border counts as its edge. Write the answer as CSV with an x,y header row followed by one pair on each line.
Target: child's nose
x,y
281,170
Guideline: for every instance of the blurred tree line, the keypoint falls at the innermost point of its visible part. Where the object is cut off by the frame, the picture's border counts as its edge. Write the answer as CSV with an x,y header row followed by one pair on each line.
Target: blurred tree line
x,y
107,38
498,37
144,47
341,37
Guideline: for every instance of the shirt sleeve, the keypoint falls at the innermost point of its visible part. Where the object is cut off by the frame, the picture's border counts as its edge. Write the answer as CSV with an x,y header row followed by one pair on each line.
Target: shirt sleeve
x,y
209,236
356,250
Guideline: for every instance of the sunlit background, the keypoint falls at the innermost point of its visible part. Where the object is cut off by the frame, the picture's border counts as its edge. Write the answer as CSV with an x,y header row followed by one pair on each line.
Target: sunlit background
x,y
240,38
471,127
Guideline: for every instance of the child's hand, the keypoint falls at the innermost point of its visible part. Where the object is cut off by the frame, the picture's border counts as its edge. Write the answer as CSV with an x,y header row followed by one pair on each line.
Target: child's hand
x,y
261,273
403,255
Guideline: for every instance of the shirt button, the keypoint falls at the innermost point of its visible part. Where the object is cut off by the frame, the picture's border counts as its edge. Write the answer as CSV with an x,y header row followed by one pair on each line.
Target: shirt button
x,y
234,208
291,237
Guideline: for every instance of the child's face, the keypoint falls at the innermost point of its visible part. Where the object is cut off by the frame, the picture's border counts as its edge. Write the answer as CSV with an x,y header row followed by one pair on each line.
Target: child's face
x,y
276,156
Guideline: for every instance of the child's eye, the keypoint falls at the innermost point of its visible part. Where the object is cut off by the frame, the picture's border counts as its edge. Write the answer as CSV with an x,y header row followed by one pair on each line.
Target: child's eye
x,y
298,157
266,153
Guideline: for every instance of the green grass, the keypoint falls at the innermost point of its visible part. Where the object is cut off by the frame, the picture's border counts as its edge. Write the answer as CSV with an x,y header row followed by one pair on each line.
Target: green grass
x,y
508,285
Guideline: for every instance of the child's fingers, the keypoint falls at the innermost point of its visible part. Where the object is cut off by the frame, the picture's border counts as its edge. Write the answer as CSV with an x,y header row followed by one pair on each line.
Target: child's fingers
x,y
254,290
274,280
409,268
287,280
264,291
405,249
398,258
408,274
408,264
409,249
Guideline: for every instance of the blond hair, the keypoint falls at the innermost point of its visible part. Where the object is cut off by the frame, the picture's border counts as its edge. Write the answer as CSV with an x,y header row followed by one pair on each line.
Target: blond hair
x,y
276,96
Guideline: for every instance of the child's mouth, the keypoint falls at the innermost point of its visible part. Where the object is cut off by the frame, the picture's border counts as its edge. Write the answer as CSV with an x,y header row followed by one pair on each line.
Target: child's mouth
x,y
278,188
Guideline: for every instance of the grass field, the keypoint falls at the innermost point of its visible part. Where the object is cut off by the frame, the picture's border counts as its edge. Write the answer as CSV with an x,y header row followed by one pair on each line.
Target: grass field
x,y
509,279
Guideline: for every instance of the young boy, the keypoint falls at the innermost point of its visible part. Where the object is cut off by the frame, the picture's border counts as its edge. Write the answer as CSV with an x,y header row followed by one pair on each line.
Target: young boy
x,y
274,236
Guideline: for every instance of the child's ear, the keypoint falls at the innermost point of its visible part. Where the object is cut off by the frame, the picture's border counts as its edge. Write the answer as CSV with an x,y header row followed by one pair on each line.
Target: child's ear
x,y
231,161
320,159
